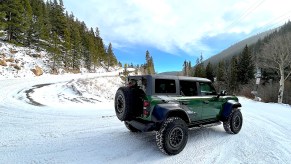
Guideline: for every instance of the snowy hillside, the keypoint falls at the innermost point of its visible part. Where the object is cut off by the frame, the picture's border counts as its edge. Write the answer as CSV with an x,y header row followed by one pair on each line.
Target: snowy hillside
x,y
71,119
18,62
22,57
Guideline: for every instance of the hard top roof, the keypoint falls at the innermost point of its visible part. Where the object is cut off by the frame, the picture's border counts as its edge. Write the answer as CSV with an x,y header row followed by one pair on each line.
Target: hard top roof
x,y
172,77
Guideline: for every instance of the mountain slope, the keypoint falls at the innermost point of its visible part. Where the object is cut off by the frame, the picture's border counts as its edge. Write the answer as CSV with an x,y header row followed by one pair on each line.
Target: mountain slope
x,y
237,48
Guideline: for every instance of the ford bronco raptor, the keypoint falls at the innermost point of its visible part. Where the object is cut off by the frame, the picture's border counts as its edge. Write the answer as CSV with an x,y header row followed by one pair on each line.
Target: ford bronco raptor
x,y
170,105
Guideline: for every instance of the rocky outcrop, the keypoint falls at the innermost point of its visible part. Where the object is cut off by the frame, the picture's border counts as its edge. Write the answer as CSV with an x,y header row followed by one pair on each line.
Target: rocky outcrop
x,y
15,66
37,71
36,55
11,60
3,63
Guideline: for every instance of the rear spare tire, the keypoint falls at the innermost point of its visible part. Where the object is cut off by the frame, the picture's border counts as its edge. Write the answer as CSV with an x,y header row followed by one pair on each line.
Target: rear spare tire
x,y
124,103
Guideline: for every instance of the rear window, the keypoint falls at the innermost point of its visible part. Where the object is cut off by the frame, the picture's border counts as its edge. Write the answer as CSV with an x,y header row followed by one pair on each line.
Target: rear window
x,y
165,86
140,83
188,88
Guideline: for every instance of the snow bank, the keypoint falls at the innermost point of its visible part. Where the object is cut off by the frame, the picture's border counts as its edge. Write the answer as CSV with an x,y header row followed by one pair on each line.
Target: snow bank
x,y
91,90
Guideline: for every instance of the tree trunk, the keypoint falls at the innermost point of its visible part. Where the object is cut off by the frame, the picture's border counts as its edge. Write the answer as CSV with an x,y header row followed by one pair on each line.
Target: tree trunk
x,y
281,87
9,33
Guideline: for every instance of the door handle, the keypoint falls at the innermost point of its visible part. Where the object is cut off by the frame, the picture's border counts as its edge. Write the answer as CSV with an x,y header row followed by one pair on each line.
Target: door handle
x,y
184,103
206,102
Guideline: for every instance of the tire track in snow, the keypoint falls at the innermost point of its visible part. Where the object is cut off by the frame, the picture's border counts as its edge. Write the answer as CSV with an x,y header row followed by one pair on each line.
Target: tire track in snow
x,y
31,90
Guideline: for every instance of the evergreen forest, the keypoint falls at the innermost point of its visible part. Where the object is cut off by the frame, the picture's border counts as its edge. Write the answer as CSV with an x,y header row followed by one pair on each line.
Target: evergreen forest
x,y
48,26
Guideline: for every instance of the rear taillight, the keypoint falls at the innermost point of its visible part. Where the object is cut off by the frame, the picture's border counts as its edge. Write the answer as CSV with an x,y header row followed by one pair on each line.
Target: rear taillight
x,y
146,113
146,104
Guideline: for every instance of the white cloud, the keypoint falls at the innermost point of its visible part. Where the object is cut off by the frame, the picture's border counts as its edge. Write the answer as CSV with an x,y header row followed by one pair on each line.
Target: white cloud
x,y
170,25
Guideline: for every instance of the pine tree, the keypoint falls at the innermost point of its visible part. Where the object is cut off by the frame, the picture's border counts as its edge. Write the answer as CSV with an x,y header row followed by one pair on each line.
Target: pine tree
x,y
13,11
185,68
27,22
149,65
112,61
220,71
190,71
55,52
199,70
152,67
147,57
67,47
2,18
37,23
233,83
97,32
91,47
76,44
125,71
101,50
57,18
45,22
119,64
85,53
69,42
246,66
61,3
209,72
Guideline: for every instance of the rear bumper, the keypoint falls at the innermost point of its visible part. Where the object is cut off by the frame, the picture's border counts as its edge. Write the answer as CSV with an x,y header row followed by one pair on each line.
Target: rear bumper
x,y
143,126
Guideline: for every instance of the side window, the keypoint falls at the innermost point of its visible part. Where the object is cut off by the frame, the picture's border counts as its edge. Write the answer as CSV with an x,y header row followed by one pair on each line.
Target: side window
x,y
165,86
188,88
207,89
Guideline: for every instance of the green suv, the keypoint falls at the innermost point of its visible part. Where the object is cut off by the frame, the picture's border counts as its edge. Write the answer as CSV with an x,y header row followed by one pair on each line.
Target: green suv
x,y
170,105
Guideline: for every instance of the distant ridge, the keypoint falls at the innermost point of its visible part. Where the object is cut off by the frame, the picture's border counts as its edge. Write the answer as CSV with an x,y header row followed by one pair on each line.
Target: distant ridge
x,y
235,49
175,73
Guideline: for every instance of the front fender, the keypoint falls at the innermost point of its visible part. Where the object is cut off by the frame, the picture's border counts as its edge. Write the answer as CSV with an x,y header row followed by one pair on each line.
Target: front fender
x,y
227,109
162,111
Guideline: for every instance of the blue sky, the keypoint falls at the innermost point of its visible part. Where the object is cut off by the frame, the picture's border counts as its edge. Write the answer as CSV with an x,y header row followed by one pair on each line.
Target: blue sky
x,y
174,31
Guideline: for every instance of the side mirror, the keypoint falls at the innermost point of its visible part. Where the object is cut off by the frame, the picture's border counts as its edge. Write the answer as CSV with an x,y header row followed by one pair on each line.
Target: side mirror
x,y
222,93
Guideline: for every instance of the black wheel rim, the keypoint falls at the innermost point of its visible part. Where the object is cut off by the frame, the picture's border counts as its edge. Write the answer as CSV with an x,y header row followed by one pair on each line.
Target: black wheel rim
x,y
237,122
120,104
176,137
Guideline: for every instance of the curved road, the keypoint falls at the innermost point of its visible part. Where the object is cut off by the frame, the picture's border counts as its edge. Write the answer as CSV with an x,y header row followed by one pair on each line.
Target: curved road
x,y
92,134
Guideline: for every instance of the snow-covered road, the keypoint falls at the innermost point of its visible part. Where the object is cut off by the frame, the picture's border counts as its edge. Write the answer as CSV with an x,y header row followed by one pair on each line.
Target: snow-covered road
x,y
89,132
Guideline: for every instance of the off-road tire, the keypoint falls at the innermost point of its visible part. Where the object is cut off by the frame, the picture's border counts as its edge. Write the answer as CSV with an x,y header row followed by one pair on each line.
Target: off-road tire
x,y
123,101
234,122
130,127
172,137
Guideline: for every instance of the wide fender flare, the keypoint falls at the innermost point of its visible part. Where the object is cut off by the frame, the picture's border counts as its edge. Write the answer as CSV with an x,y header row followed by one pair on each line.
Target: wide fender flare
x,y
227,109
162,111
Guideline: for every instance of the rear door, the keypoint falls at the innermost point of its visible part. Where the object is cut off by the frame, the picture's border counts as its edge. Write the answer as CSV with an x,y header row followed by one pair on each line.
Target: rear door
x,y
189,99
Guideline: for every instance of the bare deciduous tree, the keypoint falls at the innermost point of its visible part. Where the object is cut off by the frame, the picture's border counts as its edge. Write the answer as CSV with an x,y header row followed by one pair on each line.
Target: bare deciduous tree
x,y
276,55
